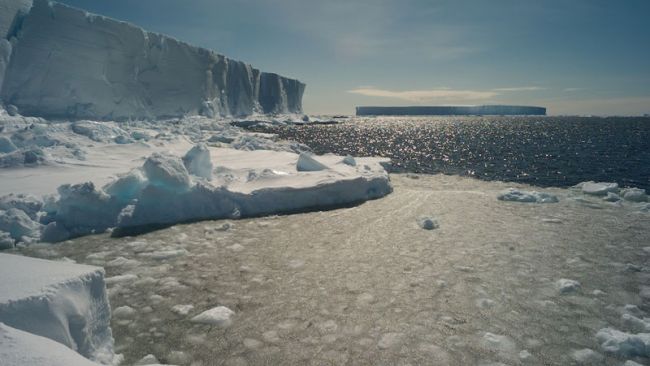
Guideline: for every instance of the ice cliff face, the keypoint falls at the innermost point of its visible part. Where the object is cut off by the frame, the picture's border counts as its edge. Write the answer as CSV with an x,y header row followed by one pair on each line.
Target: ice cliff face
x,y
67,63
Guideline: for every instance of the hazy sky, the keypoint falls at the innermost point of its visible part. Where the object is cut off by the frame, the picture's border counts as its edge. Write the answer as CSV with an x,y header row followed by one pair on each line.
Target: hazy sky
x,y
572,56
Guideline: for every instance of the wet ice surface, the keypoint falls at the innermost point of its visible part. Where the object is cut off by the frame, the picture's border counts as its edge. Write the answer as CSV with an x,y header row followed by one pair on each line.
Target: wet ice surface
x,y
367,285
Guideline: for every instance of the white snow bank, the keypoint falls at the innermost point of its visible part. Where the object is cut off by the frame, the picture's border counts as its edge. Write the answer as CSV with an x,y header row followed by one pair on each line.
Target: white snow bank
x,y
517,195
624,344
19,348
61,301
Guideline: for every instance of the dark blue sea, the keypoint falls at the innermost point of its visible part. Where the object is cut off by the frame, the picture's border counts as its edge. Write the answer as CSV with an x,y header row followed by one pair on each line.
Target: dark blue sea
x,y
543,151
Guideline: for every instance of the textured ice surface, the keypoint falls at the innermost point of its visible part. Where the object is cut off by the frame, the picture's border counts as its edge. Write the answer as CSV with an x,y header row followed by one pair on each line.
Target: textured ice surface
x,y
332,287
61,301
68,63
19,348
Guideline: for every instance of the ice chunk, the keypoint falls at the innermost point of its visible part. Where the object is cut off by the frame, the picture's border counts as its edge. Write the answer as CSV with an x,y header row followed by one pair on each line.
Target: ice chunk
x,y
566,286
587,357
182,309
124,312
127,187
6,146
428,223
634,195
98,131
631,363
219,317
166,172
599,189
502,344
197,161
147,360
517,195
6,241
307,163
17,224
28,203
612,197
349,160
624,344
19,348
83,209
62,301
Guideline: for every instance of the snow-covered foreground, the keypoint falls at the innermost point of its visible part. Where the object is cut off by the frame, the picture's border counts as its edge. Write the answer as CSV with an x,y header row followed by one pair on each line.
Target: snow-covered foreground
x,y
64,302
439,272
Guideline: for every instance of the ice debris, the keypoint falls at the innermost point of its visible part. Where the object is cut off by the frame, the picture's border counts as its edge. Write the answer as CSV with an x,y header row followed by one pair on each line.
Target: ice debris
x,y
517,195
566,286
197,161
634,195
598,189
624,344
587,356
307,163
219,316
428,223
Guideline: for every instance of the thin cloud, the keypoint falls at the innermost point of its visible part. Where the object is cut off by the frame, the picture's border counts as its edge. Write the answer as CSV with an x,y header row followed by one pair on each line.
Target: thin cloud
x,y
571,90
426,95
519,88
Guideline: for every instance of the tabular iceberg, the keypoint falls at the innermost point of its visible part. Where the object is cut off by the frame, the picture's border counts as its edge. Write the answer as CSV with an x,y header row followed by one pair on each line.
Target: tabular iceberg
x,y
65,62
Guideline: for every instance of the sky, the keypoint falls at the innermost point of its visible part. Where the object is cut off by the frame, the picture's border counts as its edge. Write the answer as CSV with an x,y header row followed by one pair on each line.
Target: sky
x,y
571,56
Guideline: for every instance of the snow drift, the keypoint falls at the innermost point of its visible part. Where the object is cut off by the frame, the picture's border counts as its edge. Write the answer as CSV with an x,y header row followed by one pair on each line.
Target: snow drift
x,y
67,63
61,301
18,348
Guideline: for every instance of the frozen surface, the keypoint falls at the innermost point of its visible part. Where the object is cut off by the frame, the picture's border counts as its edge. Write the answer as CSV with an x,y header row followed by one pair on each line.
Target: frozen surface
x,y
18,348
68,63
61,301
367,286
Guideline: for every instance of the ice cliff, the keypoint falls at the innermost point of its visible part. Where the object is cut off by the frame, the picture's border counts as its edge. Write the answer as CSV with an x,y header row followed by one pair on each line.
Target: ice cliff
x,y
65,62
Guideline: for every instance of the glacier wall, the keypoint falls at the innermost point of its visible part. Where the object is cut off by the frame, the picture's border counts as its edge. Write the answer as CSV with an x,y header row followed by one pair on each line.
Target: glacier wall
x,y
67,63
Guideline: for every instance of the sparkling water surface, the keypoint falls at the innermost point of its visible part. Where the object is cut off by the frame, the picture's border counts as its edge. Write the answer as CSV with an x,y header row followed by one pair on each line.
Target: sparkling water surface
x,y
543,151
